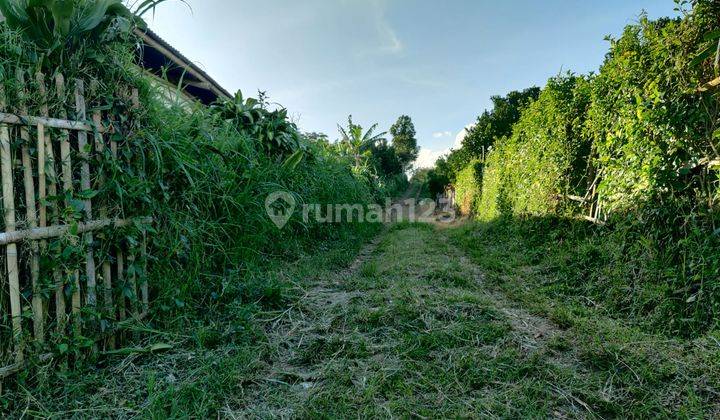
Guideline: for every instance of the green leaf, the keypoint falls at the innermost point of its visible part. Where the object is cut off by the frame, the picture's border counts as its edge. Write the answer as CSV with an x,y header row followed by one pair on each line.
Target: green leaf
x,y
74,229
293,161
704,55
160,347
87,195
62,12
712,35
14,14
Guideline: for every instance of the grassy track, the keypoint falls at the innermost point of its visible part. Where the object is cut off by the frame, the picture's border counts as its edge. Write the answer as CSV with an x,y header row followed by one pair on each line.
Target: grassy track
x,y
420,330
417,329
426,322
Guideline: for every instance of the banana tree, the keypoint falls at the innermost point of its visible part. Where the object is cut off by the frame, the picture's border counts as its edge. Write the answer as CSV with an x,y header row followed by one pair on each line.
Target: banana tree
x,y
273,130
59,25
356,142
245,113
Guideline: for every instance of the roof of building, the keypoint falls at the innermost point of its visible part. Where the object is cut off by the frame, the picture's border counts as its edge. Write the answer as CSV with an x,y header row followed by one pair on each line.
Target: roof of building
x,y
163,60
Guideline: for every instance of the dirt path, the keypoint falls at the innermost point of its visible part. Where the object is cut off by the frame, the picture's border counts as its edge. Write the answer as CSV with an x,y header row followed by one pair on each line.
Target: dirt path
x,y
411,326
409,329
291,381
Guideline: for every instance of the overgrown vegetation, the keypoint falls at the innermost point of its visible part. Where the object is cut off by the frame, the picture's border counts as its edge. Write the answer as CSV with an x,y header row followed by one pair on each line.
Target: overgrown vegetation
x,y
599,356
481,137
544,160
633,147
618,317
383,164
202,173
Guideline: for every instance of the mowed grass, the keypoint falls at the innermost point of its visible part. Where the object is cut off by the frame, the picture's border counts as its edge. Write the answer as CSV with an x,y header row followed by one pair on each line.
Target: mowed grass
x,y
424,338
432,342
434,334
623,370
210,366
430,323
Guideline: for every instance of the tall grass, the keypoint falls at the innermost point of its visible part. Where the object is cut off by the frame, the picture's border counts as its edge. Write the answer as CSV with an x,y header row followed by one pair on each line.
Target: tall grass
x,y
207,184
203,180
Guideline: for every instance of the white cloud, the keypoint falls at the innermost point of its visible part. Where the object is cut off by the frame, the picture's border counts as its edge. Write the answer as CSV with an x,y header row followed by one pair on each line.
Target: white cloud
x,y
461,136
393,44
390,43
427,158
441,134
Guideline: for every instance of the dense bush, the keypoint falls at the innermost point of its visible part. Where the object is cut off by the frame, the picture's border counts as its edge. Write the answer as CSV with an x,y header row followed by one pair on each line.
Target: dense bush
x,y
202,173
642,137
651,128
213,223
546,157
468,187
498,122
480,138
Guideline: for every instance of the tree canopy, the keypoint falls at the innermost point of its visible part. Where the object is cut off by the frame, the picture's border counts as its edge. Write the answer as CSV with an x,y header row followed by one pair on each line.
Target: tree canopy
x,y
499,121
404,141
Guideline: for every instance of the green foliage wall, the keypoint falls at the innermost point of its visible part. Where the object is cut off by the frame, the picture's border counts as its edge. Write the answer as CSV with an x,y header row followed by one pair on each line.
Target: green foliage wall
x,y
215,231
644,132
498,122
651,128
468,187
546,157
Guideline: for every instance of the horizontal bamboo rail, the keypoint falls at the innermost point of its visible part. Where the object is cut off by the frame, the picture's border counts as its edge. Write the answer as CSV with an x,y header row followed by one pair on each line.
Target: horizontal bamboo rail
x,y
51,232
17,367
709,85
49,122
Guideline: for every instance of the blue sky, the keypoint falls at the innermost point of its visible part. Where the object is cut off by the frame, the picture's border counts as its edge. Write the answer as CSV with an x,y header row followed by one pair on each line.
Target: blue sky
x,y
437,61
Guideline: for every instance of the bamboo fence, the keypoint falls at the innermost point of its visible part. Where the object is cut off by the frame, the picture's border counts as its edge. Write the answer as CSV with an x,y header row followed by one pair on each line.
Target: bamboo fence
x,y
47,165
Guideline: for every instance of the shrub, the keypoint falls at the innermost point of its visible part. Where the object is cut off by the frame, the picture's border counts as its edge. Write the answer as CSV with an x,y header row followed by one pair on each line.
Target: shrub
x,y
203,174
546,158
468,187
651,128
645,136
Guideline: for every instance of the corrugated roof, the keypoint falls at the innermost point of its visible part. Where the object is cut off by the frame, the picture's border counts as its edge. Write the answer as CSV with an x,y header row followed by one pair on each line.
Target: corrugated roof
x,y
162,59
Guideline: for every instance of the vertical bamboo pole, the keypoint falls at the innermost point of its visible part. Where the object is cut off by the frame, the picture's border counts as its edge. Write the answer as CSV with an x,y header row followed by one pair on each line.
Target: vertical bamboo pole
x,y
593,201
144,289
133,285
6,170
121,281
83,148
32,216
135,100
119,253
106,266
66,164
47,182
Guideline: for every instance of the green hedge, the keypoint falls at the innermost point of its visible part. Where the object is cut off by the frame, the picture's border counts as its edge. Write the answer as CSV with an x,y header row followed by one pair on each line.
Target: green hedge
x,y
468,187
644,132
651,128
546,157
